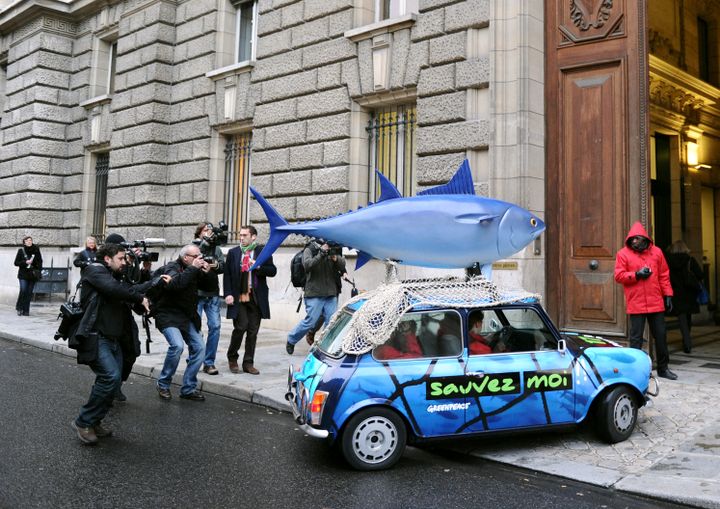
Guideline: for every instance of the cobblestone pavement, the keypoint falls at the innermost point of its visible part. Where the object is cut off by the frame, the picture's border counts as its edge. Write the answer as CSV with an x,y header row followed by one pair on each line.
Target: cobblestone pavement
x,y
674,453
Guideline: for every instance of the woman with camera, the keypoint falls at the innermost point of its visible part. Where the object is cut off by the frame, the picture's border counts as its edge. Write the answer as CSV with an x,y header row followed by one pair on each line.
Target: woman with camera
x,y
29,263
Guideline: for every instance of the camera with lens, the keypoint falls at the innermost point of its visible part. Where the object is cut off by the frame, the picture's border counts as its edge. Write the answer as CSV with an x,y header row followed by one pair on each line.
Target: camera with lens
x,y
207,243
335,248
142,256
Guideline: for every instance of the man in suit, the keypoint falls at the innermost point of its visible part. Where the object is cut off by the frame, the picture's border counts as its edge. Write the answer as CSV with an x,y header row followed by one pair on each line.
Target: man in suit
x,y
246,295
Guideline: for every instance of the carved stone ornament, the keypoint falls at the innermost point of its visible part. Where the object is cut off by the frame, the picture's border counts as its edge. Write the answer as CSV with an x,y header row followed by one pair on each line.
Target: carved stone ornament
x,y
582,15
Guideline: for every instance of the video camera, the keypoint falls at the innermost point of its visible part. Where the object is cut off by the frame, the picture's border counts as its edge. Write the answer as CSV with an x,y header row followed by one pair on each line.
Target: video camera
x,y
144,255
335,248
208,243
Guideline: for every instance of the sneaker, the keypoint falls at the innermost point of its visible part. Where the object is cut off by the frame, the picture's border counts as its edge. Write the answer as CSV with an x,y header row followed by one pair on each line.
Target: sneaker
x,y
193,396
249,368
210,370
101,431
86,435
289,348
164,393
667,374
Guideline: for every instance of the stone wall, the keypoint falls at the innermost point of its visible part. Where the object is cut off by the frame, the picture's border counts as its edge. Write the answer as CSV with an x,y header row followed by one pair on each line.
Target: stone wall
x,y
321,67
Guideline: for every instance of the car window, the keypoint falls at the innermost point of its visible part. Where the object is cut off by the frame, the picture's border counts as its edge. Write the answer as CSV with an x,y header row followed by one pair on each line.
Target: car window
x,y
508,330
423,335
331,342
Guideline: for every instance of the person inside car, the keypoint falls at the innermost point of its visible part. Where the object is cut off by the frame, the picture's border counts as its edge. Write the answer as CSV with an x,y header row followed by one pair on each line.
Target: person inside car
x,y
478,344
402,345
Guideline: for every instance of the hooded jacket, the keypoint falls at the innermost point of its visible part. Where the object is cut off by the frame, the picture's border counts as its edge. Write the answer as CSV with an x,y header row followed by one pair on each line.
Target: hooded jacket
x,y
642,295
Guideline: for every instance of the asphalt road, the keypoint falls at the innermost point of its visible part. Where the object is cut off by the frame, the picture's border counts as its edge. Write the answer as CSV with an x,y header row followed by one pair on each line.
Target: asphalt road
x,y
224,453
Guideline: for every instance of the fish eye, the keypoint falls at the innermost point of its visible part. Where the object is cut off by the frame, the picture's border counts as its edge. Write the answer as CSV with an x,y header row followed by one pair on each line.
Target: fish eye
x,y
533,222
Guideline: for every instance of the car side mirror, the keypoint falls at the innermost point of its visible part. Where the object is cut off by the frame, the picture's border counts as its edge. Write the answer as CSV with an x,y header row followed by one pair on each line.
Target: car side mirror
x,y
562,347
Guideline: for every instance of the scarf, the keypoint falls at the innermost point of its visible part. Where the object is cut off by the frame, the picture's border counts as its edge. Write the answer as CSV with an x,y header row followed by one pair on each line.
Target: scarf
x,y
245,279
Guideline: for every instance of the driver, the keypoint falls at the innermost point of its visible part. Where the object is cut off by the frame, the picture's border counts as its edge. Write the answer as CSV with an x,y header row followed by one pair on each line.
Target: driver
x,y
402,345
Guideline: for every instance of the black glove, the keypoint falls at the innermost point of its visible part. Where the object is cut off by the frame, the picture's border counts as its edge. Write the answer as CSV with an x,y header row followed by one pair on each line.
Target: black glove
x,y
643,273
668,304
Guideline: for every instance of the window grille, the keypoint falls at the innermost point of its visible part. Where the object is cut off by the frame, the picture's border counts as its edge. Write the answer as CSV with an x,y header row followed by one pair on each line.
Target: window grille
x,y
237,182
102,166
391,133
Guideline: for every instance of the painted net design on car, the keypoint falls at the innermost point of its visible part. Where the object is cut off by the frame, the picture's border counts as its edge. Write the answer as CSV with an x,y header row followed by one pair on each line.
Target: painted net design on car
x,y
373,323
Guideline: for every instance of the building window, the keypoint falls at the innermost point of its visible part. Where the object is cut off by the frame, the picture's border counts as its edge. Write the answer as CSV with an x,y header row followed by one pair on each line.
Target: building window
x,y
237,182
388,9
112,59
391,133
245,30
102,166
104,65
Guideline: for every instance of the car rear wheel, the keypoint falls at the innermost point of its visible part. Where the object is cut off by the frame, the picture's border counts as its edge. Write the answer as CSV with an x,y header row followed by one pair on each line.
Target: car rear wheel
x,y
617,415
374,439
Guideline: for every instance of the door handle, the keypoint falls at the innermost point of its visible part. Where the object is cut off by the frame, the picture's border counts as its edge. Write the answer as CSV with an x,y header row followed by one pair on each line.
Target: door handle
x,y
477,374
594,264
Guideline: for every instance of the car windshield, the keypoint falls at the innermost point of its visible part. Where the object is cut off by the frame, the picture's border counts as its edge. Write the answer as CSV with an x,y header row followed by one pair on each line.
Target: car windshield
x,y
331,342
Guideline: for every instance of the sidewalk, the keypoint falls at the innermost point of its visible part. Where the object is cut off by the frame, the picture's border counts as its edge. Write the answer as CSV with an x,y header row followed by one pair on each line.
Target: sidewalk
x,y
674,453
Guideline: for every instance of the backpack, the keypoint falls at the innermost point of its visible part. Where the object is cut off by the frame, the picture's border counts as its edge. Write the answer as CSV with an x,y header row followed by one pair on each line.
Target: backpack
x,y
297,270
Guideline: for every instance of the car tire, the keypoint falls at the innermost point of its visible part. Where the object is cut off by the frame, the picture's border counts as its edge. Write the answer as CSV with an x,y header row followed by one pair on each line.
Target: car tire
x,y
616,415
373,439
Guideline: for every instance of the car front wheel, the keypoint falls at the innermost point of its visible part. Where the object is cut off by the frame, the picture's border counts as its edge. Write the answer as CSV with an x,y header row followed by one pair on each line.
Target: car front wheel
x,y
373,439
617,415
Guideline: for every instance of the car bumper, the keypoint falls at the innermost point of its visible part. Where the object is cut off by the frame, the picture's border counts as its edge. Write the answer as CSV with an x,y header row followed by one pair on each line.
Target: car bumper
x,y
299,398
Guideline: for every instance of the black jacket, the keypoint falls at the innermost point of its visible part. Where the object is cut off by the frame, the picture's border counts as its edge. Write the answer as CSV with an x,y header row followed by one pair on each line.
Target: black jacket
x,y
321,272
176,304
685,274
233,274
208,284
24,254
84,258
100,286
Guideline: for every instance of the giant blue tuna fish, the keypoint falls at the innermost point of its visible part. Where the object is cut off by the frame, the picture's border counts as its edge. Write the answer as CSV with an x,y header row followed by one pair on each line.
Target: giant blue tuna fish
x,y
444,227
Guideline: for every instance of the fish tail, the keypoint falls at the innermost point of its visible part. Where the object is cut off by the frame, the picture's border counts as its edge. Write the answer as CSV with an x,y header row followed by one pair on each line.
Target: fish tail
x,y
275,220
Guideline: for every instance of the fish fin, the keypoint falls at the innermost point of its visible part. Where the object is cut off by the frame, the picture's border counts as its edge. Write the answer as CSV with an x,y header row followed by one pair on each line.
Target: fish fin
x,y
475,218
276,236
486,271
362,259
388,191
460,183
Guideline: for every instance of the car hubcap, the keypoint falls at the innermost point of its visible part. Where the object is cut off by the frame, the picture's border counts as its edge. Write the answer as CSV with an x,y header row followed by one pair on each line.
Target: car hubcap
x,y
624,411
375,439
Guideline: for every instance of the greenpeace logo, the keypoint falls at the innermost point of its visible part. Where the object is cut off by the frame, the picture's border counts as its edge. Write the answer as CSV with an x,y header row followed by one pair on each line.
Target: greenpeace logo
x,y
448,407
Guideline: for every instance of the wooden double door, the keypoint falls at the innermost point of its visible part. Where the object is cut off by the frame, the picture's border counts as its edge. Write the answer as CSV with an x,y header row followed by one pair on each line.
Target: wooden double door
x,y
596,86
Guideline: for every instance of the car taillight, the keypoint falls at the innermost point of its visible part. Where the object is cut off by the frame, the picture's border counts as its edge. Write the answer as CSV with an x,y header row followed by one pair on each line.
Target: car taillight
x,y
316,406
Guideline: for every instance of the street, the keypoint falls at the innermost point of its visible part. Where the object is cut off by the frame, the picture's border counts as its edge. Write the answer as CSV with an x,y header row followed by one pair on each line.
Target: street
x,y
223,453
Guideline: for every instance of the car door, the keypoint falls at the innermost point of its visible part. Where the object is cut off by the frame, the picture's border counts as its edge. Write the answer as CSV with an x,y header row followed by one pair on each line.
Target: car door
x,y
415,377
526,381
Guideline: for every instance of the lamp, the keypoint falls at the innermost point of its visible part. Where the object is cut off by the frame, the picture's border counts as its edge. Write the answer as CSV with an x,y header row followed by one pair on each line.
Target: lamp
x,y
692,153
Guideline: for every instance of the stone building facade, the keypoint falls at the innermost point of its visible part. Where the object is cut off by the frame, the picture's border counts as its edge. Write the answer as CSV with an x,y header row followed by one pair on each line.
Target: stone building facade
x,y
144,117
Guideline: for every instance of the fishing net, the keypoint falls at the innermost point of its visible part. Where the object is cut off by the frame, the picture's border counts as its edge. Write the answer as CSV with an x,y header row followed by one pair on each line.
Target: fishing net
x,y
377,318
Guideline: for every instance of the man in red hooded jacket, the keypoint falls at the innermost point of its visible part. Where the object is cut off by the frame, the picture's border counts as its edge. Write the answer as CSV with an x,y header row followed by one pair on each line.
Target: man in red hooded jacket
x,y
641,268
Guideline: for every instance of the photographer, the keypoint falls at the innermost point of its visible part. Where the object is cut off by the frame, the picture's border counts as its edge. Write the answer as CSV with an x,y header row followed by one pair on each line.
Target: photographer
x,y
209,239
177,318
107,334
322,264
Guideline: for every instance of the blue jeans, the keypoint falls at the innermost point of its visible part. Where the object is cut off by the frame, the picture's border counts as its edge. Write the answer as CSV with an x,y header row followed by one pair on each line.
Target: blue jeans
x,y
175,338
108,372
211,306
314,307
24,296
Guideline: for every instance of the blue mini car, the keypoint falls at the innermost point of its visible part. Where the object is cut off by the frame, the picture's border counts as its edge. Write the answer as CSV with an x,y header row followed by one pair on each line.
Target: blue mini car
x,y
452,360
